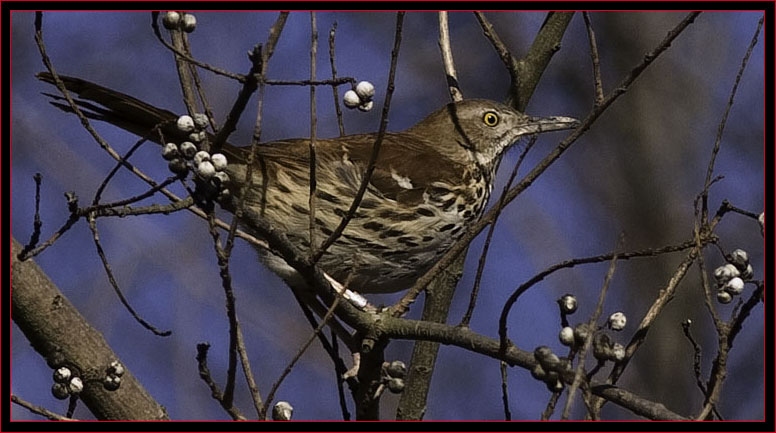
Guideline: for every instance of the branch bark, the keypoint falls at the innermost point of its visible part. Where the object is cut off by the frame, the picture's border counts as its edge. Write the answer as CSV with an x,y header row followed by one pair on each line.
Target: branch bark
x,y
60,334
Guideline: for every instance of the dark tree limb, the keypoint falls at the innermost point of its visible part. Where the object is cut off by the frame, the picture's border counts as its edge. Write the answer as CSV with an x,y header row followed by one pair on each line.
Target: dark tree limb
x,y
61,335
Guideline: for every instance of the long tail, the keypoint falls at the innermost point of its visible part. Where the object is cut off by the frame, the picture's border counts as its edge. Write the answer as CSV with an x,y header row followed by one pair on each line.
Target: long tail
x,y
114,107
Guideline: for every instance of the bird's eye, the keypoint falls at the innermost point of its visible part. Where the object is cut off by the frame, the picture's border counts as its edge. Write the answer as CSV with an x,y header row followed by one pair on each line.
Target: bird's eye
x,y
490,118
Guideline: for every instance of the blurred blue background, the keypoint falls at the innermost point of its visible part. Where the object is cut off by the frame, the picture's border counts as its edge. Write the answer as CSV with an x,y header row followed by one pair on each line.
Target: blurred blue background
x,y
636,171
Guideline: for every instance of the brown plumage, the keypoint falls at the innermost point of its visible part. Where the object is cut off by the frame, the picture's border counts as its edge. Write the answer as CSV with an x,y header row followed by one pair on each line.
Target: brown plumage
x,y
429,182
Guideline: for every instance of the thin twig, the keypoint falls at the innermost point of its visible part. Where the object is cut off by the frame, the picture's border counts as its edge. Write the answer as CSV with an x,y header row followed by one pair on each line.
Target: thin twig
x,y
39,410
550,408
723,121
299,353
332,82
120,163
37,223
500,206
200,93
375,148
505,391
334,89
231,313
591,325
204,374
184,73
696,358
114,284
598,82
72,404
338,378
447,58
313,131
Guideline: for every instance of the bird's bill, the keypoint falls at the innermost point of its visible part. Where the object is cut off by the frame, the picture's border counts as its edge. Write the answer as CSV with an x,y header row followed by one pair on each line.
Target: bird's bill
x,y
536,125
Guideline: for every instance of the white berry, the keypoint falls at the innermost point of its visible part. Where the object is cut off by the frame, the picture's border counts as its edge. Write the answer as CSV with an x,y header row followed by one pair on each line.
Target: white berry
x,y
206,170
220,178
566,336
116,368
185,123
197,137
748,273
178,166
739,258
617,321
200,120
568,303
618,352
201,156
62,375
76,385
189,23
60,391
219,161
724,297
351,99
171,20
735,286
395,385
724,273
282,411
365,90
366,106
170,151
188,149
111,382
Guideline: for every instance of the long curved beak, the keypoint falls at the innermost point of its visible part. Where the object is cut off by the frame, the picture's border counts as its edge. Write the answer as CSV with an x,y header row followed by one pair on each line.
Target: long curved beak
x,y
535,125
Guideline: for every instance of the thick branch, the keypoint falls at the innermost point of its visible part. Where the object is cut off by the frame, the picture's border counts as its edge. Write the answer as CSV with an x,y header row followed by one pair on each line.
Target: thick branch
x,y
61,335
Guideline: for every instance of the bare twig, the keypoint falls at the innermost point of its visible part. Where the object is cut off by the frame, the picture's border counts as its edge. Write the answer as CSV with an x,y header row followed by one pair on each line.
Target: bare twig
x,y
37,223
591,325
599,87
184,73
204,374
723,121
447,58
39,410
334,89
505,391
499,206
375,148
313,131
115,285
550,408
299,353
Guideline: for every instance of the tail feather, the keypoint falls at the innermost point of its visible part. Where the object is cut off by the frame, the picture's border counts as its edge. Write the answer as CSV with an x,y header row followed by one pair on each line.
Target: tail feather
x,y
119,109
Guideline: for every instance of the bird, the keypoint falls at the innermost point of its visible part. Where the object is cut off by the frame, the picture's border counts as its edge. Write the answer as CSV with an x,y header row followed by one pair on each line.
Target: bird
x,y
429,183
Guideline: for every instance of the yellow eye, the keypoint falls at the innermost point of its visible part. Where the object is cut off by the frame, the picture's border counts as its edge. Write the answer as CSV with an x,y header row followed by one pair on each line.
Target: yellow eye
x,y
490,118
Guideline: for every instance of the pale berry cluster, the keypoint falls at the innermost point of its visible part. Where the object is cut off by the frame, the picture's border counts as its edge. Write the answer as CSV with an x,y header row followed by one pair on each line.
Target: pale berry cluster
x,y
731,276
604,348
392,377
66,383
548,368
174,20
187,156
360,97
113,373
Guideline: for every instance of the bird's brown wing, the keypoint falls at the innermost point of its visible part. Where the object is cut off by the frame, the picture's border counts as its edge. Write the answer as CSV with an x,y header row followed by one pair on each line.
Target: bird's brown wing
x,y
405,156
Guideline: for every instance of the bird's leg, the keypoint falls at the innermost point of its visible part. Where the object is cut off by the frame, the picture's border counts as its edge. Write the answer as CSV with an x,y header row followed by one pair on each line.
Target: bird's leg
x,y
354,297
